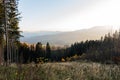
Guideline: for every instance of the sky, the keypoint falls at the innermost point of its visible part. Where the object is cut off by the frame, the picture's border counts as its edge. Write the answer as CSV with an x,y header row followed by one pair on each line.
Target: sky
x,y
68,15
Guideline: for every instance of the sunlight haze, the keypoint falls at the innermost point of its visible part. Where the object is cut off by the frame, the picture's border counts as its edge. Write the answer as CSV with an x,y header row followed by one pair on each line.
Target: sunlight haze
x,y
68,15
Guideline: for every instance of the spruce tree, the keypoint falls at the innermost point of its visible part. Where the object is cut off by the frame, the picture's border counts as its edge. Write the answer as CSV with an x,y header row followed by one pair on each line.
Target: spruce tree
x,y
48,51
9,20
1,32
39,50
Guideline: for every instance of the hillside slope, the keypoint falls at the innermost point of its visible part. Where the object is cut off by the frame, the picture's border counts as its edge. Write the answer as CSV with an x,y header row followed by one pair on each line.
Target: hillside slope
x,y
66,38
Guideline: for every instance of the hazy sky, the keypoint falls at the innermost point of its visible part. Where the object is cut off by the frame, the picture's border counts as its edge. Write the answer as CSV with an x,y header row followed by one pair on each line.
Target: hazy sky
x,y
67,15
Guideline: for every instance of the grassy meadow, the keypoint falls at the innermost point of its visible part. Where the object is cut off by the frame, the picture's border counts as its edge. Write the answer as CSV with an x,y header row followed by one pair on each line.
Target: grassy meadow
x,y
61,71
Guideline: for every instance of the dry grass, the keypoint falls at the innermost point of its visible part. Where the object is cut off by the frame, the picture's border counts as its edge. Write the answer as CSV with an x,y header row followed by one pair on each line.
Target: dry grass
x,y
62,71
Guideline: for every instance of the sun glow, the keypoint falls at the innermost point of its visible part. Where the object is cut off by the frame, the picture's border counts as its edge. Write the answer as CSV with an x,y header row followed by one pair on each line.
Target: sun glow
x,y
71,17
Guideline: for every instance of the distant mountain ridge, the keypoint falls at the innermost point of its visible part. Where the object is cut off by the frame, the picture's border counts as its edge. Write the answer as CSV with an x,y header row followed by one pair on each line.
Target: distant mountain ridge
x,y
67,38
39,33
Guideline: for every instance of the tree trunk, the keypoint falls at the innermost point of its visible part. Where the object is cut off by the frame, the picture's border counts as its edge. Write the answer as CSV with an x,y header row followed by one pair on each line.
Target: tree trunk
x,y
1,55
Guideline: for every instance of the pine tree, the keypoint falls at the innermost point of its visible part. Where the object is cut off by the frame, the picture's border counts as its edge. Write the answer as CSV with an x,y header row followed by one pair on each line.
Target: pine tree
x,y
1,32
48,51
9,20
13,33
39,50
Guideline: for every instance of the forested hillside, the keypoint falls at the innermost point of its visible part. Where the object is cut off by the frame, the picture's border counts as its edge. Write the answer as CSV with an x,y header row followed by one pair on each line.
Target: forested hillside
x,y
103,50
12,50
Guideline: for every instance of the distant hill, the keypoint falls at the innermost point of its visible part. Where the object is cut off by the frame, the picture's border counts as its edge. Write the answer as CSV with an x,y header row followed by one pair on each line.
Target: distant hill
x,y
28,35
39,33
67,38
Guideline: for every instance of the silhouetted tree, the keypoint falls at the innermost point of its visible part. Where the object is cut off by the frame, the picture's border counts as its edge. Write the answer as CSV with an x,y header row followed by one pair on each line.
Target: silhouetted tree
x,y
39,50
48,51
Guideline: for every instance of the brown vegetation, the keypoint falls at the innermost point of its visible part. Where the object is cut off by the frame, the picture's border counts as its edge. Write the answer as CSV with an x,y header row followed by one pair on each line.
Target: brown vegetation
x,y
116,59
61,71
